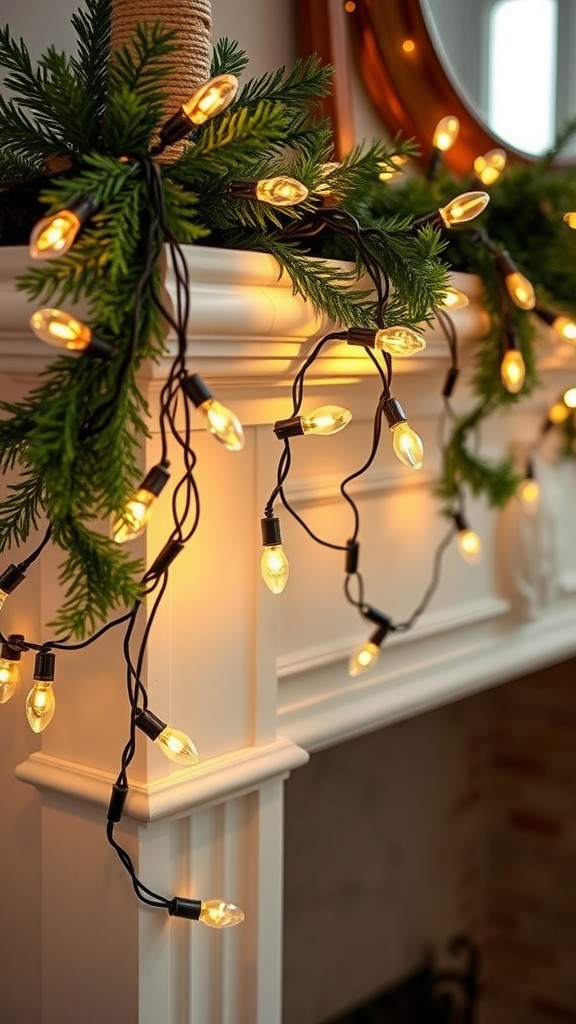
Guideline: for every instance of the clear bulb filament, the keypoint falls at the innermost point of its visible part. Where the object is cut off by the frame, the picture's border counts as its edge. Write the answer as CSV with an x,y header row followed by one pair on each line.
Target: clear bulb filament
x,y
274,567
134,518
513,371
407,445
40,706
223,424
218,914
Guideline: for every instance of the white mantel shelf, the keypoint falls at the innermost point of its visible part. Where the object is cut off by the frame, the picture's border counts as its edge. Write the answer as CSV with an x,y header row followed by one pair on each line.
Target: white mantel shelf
x,y
261,681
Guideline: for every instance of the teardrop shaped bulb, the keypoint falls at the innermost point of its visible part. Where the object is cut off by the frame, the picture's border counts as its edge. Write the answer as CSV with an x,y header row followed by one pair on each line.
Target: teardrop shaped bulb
x,y
218,914
40,706
275,568
9,679
407,445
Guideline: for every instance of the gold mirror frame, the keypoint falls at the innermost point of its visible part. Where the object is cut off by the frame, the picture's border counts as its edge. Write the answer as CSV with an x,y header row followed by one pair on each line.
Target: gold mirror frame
x,y
411,90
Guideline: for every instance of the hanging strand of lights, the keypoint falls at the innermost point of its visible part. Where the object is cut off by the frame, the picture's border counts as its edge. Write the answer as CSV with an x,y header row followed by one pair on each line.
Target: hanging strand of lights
x,y
180,393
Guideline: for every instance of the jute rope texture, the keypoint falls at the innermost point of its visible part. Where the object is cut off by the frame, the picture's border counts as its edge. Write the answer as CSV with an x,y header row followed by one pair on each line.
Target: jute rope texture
x,y
192,20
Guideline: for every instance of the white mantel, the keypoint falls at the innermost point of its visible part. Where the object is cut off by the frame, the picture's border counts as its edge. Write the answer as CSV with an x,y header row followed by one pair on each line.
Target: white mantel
x,y
260,681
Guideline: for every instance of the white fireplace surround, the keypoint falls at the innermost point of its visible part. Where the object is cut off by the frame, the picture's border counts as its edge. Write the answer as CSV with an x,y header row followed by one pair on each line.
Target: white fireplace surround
x,y
260,682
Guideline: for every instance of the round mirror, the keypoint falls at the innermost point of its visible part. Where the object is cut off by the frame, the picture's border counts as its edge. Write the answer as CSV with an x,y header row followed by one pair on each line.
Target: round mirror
x,y
513,62
494,64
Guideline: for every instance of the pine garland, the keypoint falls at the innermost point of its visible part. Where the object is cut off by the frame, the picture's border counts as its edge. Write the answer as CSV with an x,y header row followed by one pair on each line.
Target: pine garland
x,y
525,217
85,126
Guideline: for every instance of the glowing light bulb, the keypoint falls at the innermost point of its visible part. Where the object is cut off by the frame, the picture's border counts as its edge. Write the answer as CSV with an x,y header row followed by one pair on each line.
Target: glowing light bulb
x,y
220,421
489,167
558,413
364,657
174,744
9,580
399,341
9,679
10,667
223,425
58,328
520,290
570,219
40,706
529,493
407,444
211,99
275,568
134,518
281,191
54,235
518,287
392,168
218,914
566,328
569,398
463,208
453,299
446,133
214,913
207,102
469,545
177,746
40,702
62,330
273,564
513,371
328,419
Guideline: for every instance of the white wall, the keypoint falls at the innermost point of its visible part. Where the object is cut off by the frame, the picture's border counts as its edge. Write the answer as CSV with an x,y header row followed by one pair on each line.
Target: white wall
x,y
264,29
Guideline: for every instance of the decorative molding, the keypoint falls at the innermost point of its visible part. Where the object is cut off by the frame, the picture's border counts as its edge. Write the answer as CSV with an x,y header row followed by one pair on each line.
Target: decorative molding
x,y
466,614
433,679
214,781
247,328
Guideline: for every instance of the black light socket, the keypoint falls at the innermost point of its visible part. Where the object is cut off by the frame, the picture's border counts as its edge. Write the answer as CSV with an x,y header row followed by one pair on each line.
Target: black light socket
x,y
175,129
450,382
155,479
460,522
379,635
196,390
289,428
242,189
393,412
149,724
83,206
117,802
364,336
10,653
352,556
165,557
376,616
180,907
100,348
270,527
44,666
11,578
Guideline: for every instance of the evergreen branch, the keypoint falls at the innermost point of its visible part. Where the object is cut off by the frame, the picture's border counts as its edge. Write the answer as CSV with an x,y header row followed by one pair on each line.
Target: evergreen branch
x,y
93,31
304,85
232,140
327,286
497,482
21,510
228,58
97,577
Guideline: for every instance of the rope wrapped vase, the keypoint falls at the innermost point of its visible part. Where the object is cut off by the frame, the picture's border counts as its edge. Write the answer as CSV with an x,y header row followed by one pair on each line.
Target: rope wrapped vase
x,y
192,22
